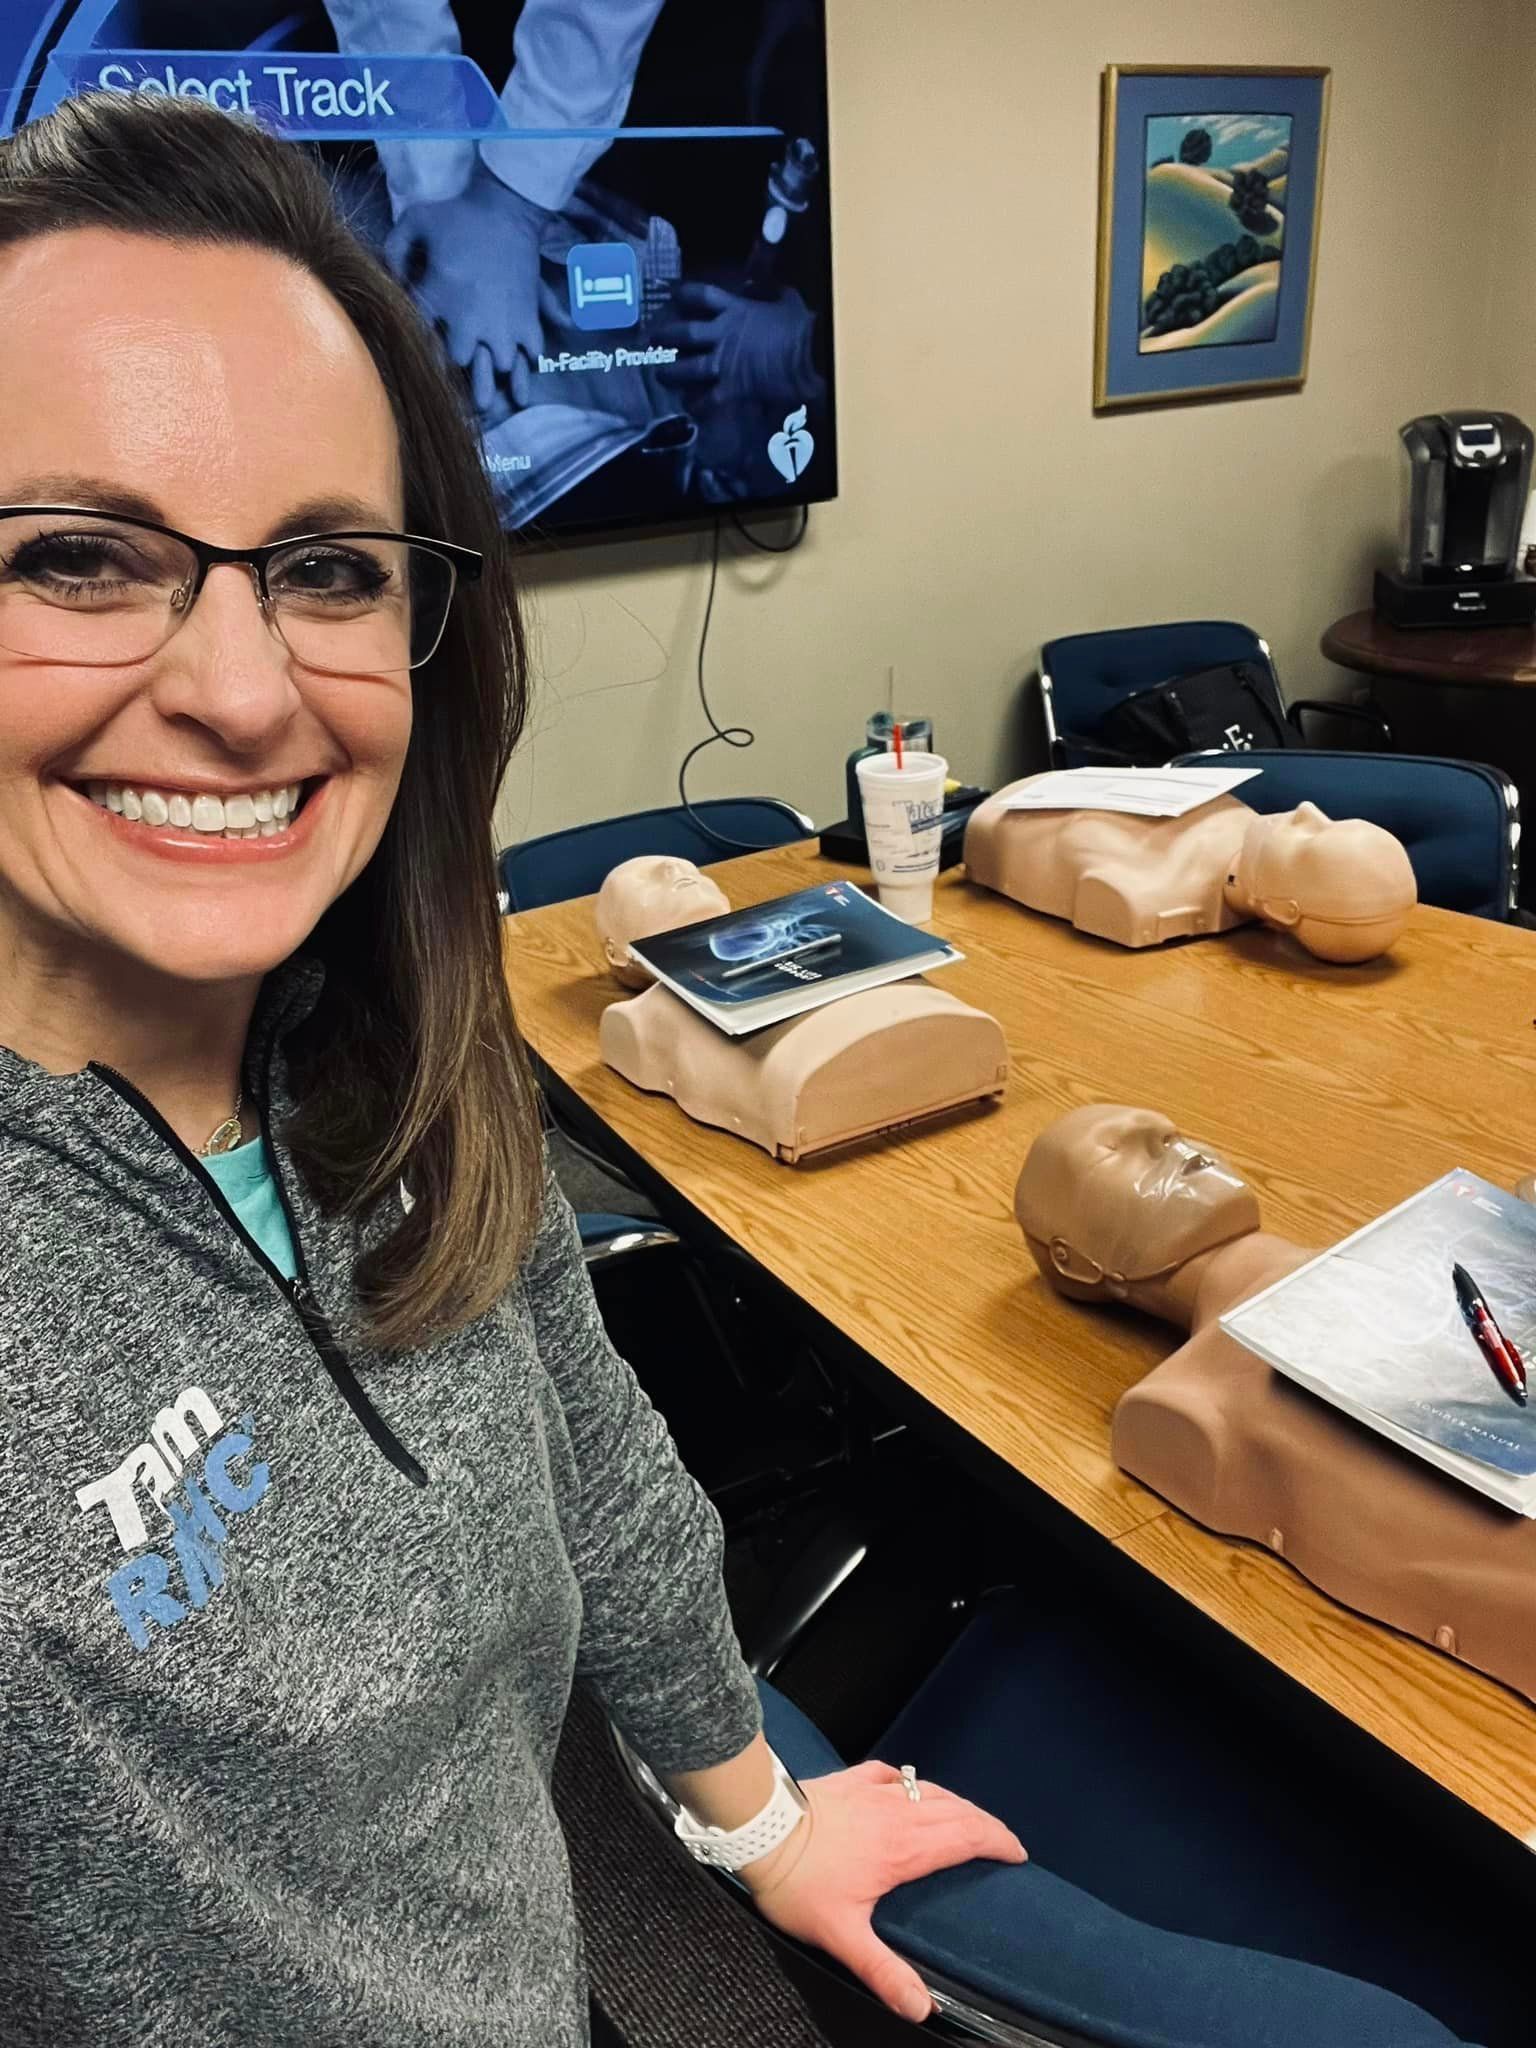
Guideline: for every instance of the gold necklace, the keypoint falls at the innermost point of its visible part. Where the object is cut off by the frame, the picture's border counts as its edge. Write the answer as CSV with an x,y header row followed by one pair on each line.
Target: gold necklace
x,y
227,1135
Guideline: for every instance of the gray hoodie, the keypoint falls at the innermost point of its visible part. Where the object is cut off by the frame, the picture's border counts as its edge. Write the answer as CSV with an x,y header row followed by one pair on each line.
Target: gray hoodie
x,y
287,1628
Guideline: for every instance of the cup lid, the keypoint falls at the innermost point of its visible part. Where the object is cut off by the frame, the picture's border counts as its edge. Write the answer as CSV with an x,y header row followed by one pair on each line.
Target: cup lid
x,y
883,768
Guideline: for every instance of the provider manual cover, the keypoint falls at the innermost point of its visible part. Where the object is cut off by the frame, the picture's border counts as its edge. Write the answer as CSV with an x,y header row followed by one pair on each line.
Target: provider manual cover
x,y
1386,1327
750,968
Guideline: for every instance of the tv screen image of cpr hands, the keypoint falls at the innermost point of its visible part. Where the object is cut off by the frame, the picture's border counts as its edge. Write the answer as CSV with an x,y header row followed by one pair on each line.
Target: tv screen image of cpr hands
x,y
614,212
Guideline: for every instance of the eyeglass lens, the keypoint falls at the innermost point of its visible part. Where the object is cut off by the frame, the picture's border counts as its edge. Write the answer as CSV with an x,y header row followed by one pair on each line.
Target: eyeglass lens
x,y
97,593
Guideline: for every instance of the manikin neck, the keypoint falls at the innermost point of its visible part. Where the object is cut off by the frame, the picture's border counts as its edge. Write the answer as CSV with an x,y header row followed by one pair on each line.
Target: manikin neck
x,y
1207,1285
1234,888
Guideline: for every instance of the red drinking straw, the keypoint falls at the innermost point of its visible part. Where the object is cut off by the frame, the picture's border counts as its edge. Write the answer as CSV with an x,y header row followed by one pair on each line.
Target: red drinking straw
x,y
897,732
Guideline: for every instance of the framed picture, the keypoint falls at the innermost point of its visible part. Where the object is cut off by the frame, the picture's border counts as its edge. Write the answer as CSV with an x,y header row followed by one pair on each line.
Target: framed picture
x,y
1210,190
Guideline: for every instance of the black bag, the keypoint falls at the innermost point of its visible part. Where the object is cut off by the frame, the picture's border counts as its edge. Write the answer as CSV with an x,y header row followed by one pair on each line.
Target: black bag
x,y
1231,708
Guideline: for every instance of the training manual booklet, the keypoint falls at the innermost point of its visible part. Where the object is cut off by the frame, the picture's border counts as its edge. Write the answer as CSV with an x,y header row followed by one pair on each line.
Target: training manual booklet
x,y
1139,792
755,967
1421,1325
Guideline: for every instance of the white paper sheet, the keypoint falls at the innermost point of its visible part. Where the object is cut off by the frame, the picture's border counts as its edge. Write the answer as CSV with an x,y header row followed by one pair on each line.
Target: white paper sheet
x,y
1141,792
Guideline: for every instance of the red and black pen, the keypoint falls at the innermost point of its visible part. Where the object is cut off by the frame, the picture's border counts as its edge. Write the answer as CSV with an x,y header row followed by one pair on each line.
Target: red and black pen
x,y
1504,1360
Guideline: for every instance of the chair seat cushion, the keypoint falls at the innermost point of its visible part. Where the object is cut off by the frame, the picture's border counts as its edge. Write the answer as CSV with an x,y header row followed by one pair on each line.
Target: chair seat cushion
x,y
1185,1890
1028,1940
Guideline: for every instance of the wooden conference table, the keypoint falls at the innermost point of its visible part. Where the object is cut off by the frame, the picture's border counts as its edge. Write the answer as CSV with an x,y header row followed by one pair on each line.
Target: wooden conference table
x,y
1336,1091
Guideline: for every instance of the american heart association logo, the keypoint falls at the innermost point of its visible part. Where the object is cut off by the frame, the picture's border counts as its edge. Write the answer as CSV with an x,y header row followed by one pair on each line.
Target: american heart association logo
x,y
791,449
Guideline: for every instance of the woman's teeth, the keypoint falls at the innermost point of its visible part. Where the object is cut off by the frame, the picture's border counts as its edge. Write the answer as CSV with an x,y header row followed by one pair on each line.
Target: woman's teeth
x,y
261,814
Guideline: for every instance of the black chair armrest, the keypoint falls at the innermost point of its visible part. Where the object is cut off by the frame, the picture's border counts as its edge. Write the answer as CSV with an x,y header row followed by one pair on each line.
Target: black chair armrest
x,y
832,1556
1096,754
1354,712
644,1237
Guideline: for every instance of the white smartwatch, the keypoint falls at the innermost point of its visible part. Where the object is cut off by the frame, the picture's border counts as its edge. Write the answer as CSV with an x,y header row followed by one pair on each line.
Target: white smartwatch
x,y
724,1849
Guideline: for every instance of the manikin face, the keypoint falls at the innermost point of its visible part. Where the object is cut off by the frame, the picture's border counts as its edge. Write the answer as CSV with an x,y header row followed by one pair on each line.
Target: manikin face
x,y
651,893
1117,1195
1342,885
220,391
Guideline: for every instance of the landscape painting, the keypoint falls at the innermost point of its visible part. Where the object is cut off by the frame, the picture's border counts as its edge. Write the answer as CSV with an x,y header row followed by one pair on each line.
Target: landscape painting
x,y
1213,229
1210,191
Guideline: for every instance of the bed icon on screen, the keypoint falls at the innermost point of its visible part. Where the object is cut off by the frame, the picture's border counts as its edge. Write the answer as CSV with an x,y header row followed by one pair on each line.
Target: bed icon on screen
x,y
604,278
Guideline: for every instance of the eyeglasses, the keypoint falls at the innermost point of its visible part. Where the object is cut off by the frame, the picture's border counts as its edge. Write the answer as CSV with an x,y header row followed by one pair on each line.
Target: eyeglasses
x,y
102,591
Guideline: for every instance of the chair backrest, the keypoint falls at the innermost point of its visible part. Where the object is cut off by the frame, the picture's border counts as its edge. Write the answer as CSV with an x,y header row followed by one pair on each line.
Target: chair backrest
x,y
1458,820
1084,675
560,865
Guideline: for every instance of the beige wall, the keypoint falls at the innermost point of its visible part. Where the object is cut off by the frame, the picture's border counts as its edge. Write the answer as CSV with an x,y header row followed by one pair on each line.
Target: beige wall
x,y
1513,264
984,508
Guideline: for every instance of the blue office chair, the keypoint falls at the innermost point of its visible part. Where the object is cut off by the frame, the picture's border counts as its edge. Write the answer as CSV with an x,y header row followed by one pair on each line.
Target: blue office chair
x,y
560,865
1185,1889
1085,675
1459,820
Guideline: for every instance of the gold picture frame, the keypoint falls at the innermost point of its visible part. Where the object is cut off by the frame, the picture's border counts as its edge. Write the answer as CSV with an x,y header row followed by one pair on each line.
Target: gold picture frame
x,y
1240,310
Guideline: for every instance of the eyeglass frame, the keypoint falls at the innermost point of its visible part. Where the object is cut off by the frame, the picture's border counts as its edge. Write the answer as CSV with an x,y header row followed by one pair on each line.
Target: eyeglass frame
x,y
468,563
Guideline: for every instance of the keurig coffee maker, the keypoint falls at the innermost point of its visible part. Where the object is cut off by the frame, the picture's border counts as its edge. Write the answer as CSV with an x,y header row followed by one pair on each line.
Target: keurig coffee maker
x,y
1464,492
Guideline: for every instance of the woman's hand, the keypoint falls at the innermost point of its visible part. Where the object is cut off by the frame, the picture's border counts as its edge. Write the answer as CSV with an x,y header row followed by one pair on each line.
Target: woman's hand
x,y
864,1837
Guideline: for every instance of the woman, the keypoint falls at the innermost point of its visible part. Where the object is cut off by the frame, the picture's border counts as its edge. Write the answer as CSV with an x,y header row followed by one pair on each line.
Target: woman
x,y
323,1481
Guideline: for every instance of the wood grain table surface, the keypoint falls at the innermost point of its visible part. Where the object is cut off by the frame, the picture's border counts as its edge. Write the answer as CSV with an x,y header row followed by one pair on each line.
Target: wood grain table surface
x,y
1433,654
1336,1091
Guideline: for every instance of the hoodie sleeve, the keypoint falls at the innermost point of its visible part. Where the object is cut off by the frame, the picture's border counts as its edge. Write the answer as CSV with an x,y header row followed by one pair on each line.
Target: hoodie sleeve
x,y
657,1643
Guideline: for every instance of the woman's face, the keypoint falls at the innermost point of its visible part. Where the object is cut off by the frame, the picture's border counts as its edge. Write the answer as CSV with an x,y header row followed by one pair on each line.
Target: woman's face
x,y
220,391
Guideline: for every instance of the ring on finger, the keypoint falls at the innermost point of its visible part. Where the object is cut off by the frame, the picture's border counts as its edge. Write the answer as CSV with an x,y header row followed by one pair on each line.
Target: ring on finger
x,y
909,1781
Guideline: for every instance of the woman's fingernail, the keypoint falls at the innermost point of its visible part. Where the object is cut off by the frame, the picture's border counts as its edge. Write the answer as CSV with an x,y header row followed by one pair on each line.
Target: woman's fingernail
x,y
916,2005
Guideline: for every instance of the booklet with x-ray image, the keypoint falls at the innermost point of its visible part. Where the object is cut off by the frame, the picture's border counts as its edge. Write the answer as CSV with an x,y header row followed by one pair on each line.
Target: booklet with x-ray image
x,y
750,968
1421,1326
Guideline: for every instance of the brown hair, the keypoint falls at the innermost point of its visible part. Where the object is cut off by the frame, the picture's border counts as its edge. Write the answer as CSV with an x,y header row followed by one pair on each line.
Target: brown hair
x,y
412,1064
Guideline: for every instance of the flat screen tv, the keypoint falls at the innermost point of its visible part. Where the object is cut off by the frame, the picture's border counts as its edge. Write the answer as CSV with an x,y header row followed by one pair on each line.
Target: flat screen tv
x,y
615,212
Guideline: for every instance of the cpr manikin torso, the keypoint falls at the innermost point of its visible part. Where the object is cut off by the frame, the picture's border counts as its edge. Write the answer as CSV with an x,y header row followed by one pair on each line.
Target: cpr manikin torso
x,y
1343,887
868,1062
649,894
1115,1205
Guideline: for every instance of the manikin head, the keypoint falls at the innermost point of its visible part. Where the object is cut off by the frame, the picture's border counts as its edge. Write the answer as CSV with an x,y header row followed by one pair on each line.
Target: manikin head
x,y
1111,1196
1342,886
652,893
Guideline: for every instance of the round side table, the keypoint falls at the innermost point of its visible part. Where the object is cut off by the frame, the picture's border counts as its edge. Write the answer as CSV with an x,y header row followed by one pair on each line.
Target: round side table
x,y
1489,656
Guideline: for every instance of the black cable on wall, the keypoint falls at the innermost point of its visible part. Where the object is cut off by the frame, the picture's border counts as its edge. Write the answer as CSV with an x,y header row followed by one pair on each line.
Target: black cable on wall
x,y
726,735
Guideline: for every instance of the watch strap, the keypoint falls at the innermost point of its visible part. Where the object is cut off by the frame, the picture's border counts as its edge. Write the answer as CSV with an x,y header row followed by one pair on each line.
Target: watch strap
x,y
731,1849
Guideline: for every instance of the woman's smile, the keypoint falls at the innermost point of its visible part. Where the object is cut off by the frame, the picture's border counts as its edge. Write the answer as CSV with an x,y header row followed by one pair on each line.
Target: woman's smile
x,y
189,822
